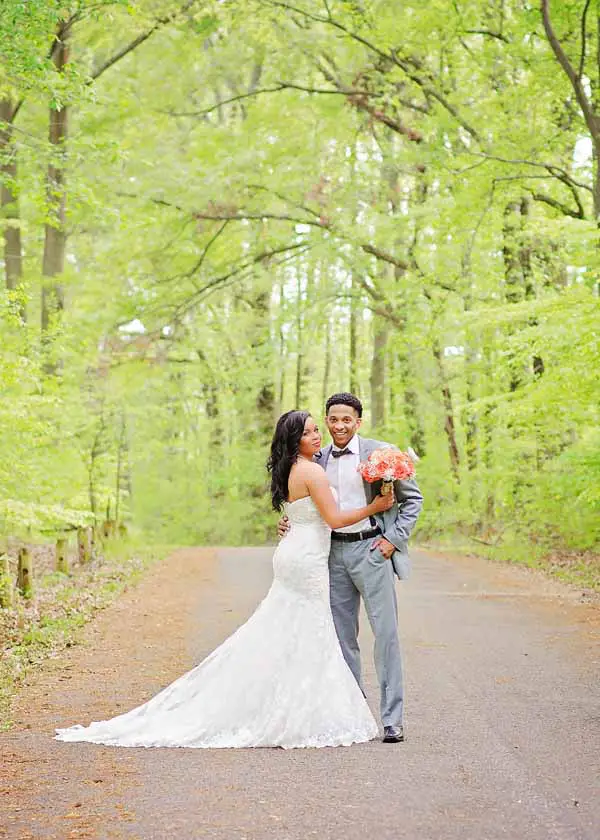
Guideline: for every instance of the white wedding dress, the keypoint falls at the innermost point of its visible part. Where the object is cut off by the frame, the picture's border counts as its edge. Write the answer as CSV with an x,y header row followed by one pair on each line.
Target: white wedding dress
x,y
279,681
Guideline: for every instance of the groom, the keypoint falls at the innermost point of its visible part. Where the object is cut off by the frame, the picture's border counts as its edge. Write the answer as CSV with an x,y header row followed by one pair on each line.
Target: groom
x,y
364,557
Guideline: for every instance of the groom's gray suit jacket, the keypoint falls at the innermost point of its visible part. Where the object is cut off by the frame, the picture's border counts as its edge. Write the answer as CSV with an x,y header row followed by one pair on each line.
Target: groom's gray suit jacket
x,y
397,522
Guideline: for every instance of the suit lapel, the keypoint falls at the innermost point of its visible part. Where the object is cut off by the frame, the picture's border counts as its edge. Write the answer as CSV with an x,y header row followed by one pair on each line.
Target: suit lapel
x,y
364,449
323,456
366,446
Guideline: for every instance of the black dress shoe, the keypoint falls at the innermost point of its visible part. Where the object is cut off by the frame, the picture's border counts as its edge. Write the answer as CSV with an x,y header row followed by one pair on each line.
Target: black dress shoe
x,y
393,734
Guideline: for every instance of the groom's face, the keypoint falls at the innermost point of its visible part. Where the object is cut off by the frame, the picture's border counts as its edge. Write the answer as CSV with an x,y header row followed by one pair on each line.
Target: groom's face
x,y
343,423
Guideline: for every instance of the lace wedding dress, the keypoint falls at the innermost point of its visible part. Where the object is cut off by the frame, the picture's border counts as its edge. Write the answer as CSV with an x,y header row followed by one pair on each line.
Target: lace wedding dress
x,y
279,681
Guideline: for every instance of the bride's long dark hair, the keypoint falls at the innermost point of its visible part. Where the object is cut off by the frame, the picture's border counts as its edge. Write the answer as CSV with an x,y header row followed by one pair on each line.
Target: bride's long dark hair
x,y
284,452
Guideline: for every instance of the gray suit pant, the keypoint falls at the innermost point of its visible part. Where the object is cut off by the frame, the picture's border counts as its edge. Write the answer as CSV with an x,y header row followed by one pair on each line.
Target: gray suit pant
x,y
354,570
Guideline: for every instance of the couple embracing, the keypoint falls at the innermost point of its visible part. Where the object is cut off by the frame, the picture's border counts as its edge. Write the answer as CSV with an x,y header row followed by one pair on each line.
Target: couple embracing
x,y
291,676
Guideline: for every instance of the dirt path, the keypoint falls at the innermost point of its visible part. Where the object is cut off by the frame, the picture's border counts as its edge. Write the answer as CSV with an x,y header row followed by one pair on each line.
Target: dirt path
x,y
502,720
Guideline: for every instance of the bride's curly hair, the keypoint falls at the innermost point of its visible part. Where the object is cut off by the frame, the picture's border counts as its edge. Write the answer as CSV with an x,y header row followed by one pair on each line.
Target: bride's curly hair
x,y
284,452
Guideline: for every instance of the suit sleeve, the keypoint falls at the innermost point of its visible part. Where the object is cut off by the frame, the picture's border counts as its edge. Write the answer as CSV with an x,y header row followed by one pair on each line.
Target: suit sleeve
x,y
410,502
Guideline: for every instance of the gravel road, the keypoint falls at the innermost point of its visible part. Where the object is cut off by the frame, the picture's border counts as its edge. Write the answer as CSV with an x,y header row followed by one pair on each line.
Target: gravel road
x,y
502,719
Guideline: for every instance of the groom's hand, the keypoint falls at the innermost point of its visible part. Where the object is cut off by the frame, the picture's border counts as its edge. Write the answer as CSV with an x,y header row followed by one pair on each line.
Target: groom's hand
x,y
283,526
384,546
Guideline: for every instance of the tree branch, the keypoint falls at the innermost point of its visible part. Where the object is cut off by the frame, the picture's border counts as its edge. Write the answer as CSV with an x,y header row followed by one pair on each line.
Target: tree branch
x,y
235,216
489,34
158,23
282,197
371,290
358,98
320,222
65,26
198,264
392,55
380,305
361,103
568,184
435,94
237,271
384,256
558,205
223,214
583,38
415,106
160,201
569,70
555,171
259,91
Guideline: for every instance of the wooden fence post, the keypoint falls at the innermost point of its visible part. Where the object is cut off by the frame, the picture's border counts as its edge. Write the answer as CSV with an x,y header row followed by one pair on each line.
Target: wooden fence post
x,y
6,587
25,573
108,528
83,545
62,560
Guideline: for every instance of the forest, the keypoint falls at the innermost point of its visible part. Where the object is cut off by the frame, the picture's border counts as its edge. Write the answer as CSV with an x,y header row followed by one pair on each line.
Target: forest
x,y
213,211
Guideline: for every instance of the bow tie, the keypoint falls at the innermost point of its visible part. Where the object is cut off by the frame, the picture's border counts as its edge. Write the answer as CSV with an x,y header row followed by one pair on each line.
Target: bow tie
x,y
337,453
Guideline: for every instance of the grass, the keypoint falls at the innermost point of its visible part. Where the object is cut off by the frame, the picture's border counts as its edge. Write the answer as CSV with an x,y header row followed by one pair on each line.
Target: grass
x,y
579,568
38,628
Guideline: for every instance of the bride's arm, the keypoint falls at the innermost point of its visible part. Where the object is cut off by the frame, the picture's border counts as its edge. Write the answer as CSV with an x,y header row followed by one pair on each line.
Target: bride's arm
x,y
320,491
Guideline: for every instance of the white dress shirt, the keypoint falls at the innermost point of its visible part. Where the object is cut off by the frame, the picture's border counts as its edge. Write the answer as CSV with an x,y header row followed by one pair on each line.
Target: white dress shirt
x,y
343,477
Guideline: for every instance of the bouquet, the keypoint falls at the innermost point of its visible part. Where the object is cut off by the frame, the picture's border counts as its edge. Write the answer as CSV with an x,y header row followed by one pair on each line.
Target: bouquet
x,y
387,465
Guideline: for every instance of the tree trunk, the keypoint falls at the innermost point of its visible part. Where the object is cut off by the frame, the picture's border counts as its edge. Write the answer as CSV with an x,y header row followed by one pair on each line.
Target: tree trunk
x,y
470,418
469,414
55,236
511,231
517,279
84,545
6,587
121,453
326,365
410,407
95,453
91,541
414,421
282,351
487,439
596,186
215,436
353,356
25,573
449,427
265,397
381,332
108,526
61,560
281,371
300,344
13,253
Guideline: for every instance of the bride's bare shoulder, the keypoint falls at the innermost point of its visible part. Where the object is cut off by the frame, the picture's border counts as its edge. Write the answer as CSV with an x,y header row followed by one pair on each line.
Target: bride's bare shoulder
x,y
312,474
307,469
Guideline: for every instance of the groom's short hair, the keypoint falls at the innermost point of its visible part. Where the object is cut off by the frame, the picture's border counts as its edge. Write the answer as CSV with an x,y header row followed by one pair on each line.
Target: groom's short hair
x,y
344,399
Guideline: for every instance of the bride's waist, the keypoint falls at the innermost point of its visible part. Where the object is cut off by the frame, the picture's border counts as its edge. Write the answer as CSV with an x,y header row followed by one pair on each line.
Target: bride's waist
x,y
303,547
317,525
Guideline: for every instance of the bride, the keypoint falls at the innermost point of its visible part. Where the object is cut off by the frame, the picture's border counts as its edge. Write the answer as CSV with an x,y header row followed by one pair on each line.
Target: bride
x,y
280,680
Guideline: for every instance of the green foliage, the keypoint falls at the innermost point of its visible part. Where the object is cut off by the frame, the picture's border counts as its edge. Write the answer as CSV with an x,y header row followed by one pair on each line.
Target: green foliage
x,y
263,203
16,517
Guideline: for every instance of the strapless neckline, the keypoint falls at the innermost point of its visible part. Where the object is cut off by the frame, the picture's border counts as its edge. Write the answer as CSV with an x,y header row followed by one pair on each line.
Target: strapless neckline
x,y
301,499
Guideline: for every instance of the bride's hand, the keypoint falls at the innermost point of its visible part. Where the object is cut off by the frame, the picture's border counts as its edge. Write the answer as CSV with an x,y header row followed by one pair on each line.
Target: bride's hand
x,y
381,503
283,526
